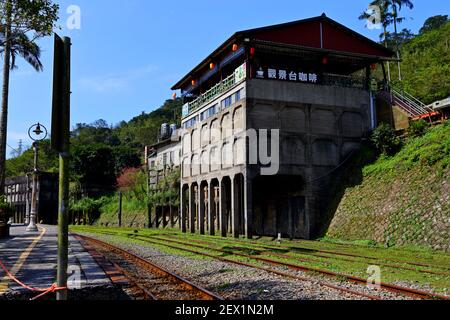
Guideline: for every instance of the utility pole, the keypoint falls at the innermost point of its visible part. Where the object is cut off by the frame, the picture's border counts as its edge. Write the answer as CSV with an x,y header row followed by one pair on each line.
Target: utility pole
x,y
120,209
61,143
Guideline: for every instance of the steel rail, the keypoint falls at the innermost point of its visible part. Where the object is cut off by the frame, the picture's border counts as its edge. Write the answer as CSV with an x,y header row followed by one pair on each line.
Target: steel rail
x,y
280,273
204,293
314,252
105,265
328,257
389,287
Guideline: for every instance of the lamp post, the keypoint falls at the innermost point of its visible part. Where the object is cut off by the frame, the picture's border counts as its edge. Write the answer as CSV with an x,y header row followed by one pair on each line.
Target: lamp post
x,y
37,133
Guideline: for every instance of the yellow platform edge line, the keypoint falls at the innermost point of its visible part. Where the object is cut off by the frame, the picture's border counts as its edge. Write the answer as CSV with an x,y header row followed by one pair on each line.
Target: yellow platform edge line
x,y
20,262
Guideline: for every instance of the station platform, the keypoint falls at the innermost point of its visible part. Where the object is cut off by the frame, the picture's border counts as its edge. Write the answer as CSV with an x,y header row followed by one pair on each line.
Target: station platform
x,y
32,259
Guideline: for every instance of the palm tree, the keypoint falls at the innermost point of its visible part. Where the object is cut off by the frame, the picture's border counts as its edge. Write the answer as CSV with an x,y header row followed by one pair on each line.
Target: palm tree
x,y
22,46
389,10
13,45
396,6
386,21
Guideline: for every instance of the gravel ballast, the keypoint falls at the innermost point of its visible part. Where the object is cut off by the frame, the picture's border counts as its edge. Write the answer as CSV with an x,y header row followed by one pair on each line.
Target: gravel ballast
x,y
235,282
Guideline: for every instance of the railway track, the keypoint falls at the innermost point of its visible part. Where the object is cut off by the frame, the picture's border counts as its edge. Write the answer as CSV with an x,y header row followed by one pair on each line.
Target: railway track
x,y
277,272
269,251
153,282
343,256
417,294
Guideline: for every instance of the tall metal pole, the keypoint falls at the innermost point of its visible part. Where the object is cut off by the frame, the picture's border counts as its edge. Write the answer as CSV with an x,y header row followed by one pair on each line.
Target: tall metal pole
x,y
120,209
27,202
32,227
63,214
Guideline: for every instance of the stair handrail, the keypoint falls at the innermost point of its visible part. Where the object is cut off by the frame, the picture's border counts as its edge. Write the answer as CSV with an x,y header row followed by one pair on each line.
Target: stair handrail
x,y
407,105
419,107
412,98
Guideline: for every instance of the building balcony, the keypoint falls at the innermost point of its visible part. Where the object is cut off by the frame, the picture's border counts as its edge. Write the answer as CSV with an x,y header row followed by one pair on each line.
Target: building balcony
x,y
237,77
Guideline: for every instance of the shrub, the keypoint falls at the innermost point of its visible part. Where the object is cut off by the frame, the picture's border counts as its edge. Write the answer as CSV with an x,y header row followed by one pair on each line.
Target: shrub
x,y
385,139
6,210
417,128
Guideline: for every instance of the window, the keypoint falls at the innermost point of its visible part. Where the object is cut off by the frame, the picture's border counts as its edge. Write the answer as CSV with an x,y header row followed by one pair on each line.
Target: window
x,y
208,113
190,123
227,102
238,96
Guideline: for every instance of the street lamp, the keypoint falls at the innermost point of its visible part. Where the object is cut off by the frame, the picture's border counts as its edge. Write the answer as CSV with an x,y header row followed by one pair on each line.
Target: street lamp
x,y
37,133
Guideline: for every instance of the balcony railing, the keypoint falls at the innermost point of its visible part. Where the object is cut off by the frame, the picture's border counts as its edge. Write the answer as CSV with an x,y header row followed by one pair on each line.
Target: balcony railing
x,y
231,81
211,94
344,81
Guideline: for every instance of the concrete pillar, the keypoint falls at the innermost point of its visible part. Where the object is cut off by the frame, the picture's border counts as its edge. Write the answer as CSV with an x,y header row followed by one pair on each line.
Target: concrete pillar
x,y
309,215
157,210
164,216
290,221
248,207
211,208
223,208
171,216
206,205
183,210
235,206
201,208
192,208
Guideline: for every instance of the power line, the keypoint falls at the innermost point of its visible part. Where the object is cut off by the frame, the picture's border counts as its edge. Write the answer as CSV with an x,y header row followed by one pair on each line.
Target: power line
x,y
13,149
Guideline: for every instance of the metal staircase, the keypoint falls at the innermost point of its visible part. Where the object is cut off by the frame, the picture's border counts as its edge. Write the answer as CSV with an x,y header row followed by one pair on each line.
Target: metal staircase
x,y
412,106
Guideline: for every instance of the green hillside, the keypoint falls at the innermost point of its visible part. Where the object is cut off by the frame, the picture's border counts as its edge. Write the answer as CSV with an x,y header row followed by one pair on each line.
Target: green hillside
x,y
426,65
403,199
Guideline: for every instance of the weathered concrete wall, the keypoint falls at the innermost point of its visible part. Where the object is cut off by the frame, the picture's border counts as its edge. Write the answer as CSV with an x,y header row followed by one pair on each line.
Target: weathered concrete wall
x,y
210,142
320,127
401,119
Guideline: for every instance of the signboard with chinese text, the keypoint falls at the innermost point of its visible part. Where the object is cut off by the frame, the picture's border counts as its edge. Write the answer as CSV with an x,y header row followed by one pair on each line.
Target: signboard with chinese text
x,y
240,73
185,110
287,75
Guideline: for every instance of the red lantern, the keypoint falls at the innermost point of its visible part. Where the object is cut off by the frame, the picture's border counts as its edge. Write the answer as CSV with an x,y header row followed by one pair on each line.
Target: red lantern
x,y
235,47
325,60
174,96
212,66
252,51
373,66
193,82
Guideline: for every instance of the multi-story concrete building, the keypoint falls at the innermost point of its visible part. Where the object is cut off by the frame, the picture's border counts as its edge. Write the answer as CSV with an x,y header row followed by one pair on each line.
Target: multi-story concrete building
x,y
305,86
162,160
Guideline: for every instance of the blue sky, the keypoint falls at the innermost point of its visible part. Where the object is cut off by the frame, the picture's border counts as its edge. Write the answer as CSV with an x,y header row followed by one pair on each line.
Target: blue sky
x,y
128,54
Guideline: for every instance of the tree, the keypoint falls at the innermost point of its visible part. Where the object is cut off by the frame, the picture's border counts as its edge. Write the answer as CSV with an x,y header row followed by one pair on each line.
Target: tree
x,y
426,65
433,23
23,164
396,6
18,18
402,37
389,14
133,183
